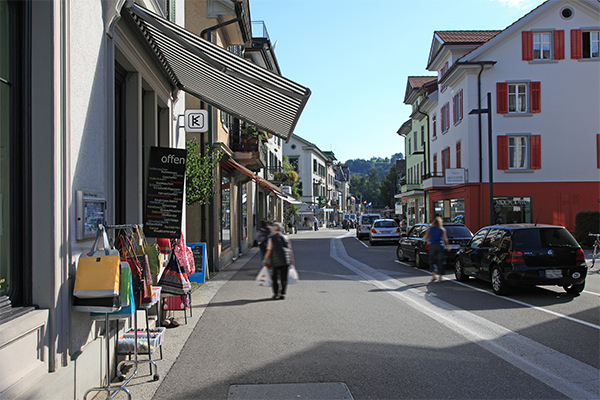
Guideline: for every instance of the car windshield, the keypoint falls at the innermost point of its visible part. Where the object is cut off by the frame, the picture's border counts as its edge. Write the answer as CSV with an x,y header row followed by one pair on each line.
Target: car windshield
x,y
457,232
543,238
368,219
385,224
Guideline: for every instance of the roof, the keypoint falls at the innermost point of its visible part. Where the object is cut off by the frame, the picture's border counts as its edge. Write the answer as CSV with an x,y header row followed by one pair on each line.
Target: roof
x,y
418,81
456,37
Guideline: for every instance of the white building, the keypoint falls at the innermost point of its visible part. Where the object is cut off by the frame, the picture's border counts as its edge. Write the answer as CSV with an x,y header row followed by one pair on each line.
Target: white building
x,y
543,75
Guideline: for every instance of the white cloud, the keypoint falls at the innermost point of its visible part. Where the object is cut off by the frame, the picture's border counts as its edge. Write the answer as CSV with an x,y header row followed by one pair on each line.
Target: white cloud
x,y
519,4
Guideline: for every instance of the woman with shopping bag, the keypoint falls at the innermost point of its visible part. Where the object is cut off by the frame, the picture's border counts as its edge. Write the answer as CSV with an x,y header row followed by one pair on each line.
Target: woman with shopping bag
x,y
279,249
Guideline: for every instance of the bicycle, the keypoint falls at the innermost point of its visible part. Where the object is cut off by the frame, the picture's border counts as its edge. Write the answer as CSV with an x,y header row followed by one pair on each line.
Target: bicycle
x,y
596,252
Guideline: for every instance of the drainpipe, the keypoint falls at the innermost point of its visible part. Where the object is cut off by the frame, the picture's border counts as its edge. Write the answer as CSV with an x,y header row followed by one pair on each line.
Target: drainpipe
x,y
426,157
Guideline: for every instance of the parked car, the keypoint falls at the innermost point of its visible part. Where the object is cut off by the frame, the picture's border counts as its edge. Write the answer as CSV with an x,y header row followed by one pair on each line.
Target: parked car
x,y
413,247
523,255
384,230
364,223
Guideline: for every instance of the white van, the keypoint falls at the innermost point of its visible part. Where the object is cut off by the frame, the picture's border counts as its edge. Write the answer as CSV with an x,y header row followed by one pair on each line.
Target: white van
x,y
365,221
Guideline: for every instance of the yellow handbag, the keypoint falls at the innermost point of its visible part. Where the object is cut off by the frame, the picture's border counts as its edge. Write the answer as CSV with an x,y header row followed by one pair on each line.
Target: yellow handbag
x,y
98,275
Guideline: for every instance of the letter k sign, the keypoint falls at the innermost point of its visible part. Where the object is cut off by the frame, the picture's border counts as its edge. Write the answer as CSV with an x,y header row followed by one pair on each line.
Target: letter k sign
x,y
196,121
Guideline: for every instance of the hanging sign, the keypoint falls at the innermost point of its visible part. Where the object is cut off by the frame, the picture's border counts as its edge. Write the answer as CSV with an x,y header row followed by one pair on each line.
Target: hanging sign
x,y
196,121
164,194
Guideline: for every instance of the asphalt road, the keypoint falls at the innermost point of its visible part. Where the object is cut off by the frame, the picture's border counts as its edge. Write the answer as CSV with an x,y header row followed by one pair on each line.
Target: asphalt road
x,y
371,327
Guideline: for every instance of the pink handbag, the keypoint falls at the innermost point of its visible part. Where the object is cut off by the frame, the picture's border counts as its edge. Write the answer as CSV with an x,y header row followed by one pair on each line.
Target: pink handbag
x,y
185,256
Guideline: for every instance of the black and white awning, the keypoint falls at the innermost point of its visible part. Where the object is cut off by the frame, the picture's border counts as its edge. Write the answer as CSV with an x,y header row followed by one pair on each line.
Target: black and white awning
x,y
221,78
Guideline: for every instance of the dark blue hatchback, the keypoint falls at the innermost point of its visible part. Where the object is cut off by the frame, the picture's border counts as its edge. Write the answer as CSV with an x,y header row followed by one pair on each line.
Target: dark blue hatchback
x,y
523,255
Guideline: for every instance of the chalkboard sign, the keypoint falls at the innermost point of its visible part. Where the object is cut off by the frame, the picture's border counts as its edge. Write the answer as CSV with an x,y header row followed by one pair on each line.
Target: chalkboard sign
x,y
164,201
199,251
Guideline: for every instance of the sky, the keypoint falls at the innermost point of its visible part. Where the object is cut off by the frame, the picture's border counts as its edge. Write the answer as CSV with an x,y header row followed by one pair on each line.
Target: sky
x,y
355,57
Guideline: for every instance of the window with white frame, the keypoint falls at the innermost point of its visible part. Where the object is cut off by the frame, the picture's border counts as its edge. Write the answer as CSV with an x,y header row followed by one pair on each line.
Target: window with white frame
x,y
517,97
409,148
591,44
457,106
517,152
542,46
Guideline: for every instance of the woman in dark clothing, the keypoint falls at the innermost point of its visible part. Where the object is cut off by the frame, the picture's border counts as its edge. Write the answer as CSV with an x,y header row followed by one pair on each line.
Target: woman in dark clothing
x,y
436,237
262,236
279,249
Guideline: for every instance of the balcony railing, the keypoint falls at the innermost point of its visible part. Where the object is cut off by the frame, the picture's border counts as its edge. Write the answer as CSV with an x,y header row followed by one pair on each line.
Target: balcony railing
x,y
274,173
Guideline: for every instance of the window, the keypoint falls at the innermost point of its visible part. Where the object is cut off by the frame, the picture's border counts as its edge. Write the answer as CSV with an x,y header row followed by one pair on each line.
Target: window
x,y
541,46
415,140
458,154
518,152
457,107
538,46
315,168
442,72
434,128
435,164
409,148
518,98
423,136
445,113
445,159
585,44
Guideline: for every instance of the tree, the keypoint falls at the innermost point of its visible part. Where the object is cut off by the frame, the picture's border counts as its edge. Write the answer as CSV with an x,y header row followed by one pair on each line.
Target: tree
x,y
387,188
200,175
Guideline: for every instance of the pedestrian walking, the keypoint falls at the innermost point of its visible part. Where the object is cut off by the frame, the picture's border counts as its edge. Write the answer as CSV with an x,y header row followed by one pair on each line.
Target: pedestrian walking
x,y
279,249
262,236
316,222
436,237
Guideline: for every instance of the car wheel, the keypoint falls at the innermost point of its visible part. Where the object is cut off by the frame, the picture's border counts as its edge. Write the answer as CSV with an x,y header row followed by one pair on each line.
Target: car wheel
x,y
418,262
574,289
459,273
400,254
498,283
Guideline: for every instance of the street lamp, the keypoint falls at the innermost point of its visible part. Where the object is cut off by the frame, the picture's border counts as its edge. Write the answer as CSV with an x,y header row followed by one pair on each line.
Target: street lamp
x,y
488,111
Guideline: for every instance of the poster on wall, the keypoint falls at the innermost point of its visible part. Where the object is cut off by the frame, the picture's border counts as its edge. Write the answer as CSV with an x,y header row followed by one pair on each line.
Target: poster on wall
x,y
164,193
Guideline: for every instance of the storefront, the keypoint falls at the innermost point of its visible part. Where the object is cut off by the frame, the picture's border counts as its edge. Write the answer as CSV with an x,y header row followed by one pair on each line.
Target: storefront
x,y
512,210
451,210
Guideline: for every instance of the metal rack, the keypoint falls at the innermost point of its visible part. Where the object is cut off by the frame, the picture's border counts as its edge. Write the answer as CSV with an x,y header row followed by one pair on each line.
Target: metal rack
x,y
116,389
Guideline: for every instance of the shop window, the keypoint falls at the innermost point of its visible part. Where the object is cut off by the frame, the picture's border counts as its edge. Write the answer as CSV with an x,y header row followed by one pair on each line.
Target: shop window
x,y
512,210
5,223
225,211
457,210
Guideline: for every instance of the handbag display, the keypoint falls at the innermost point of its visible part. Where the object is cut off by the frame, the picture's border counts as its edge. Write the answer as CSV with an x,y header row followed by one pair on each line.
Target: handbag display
x,y
127,301
185,256
98,273
151,250
174,280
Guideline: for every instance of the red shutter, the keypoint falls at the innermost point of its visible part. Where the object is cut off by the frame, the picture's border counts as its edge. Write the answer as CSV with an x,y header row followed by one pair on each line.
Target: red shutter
x,y
535,95
447,157
536,152
447,115
435,162
454,105
460,104
598,149
502,97
559,45
527,37
576,46
457,154
502,152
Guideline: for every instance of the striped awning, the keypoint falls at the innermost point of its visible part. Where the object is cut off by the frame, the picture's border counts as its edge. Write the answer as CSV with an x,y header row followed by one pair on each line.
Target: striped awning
x,y
221,78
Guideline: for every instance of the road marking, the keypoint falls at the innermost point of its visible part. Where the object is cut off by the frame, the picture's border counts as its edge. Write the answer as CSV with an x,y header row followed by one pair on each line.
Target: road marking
x,y
579,321
565,374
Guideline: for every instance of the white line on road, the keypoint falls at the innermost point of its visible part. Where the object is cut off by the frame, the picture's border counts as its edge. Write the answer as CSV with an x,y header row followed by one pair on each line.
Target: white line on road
x,y
579,321
565,374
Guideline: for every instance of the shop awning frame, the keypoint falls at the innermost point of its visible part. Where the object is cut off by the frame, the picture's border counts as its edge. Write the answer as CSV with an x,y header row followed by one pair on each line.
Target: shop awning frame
x,y
221,78
263,183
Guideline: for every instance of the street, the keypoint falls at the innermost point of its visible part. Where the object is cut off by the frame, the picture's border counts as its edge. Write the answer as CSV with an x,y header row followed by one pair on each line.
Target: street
x,y
361,324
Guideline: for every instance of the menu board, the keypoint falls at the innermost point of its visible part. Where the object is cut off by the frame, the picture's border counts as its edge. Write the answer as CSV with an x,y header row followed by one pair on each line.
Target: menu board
x,y
164,194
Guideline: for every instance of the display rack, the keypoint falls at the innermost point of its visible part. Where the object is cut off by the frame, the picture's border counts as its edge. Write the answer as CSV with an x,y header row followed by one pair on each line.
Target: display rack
x,y
110,389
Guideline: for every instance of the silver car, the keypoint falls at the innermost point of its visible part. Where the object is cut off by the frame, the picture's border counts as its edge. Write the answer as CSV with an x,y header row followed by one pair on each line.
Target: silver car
x,y
384,230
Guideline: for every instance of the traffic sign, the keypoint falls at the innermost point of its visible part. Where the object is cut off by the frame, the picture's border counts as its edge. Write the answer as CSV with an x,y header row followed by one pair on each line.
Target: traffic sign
x,y
196,121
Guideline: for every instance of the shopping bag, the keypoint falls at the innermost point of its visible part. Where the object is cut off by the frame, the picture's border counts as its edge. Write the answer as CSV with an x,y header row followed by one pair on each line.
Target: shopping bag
x,y
264,277
146,277
151,250
292,275
185,256
98,275
164,245
174,280
127,308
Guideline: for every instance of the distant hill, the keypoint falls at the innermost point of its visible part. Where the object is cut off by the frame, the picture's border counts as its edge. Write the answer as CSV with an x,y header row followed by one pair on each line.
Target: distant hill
x,y
361,167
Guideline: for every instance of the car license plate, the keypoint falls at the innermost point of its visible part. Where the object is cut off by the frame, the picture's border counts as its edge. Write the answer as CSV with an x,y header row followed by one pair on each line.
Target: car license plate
x,y
554,273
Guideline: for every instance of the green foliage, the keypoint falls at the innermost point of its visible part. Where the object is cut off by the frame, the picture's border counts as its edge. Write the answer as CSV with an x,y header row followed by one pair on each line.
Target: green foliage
x,y
387,188
367,187
200,173
381,165
587,222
